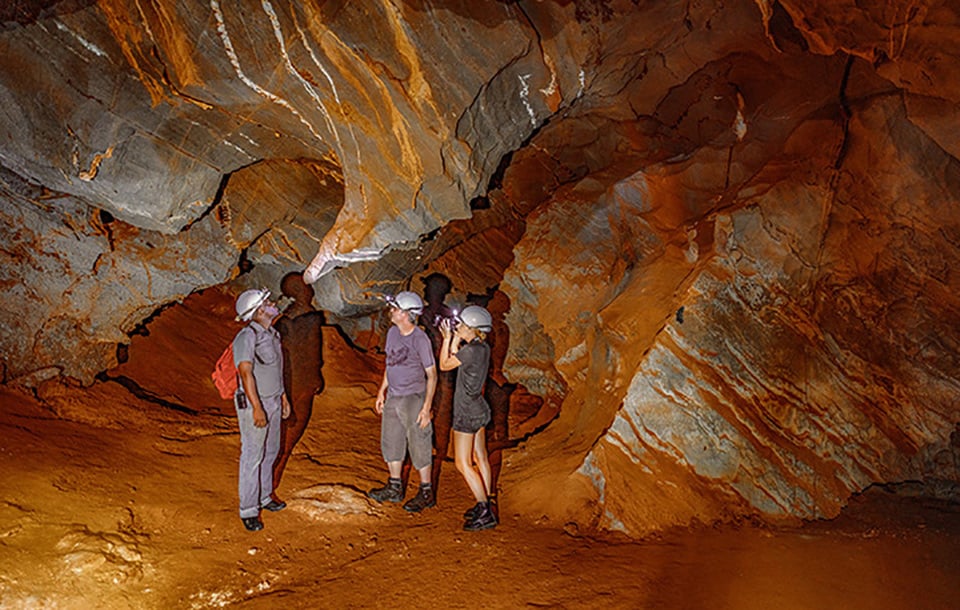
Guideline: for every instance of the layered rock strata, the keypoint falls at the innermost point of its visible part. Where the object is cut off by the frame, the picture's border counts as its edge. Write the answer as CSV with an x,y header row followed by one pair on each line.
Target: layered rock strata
x,y
726,231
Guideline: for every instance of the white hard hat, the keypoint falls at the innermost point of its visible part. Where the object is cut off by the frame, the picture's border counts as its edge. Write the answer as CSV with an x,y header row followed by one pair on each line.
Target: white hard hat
x,y
249,301
477,317
407,301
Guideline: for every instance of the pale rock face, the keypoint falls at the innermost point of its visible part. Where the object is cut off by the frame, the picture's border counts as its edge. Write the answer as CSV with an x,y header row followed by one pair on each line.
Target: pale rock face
x,y
725,234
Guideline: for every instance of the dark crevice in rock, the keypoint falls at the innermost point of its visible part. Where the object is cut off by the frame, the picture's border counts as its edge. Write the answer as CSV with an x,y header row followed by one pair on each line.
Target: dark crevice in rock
x,y
495,183
137,390
496,179
104,220
726,178
782,29
480,203
536,32
223,214
141,328
846,113
123,353
244,264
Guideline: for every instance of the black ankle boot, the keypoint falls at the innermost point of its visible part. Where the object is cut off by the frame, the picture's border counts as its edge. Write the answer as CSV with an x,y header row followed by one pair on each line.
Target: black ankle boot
x,y
424,499
391,492
473,511
483,519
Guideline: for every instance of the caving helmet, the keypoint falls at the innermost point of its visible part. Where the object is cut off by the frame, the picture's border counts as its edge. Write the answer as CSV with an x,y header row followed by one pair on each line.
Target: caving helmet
x,y
476,317
407,301
249,301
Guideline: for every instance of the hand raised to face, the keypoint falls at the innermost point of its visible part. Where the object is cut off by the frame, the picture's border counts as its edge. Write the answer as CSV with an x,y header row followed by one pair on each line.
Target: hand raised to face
x,y
446,327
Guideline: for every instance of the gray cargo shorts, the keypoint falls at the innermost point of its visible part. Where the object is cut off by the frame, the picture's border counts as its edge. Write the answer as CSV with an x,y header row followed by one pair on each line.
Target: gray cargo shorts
x,y
400,432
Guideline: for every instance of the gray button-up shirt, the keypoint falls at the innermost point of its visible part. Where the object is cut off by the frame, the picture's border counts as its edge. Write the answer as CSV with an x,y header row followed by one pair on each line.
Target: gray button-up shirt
x,y
261,346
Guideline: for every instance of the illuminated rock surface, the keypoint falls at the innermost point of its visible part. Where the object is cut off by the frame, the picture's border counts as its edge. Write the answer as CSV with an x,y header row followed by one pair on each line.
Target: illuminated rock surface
x,y
727,232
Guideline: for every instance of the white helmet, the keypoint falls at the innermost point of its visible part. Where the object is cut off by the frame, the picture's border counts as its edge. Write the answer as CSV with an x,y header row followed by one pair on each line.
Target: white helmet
x,y
249,301
407,301
477,317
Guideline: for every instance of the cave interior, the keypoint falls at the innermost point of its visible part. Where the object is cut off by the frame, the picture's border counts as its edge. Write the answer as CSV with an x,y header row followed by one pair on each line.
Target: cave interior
x,y
717,238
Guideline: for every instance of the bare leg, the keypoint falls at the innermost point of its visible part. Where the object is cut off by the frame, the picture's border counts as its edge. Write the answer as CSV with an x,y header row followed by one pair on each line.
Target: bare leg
x,y
480,458
463,447
396,469
425,474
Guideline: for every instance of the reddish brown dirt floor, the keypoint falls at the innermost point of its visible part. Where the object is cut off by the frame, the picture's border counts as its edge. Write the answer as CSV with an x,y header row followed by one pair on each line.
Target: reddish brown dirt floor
x,y
114,501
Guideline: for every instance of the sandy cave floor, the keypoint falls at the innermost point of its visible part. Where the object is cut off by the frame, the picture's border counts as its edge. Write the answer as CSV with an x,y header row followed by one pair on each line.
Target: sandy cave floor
x,y
111,501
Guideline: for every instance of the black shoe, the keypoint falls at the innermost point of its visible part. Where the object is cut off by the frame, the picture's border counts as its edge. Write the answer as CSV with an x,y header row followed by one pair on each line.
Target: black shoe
x,y
275,505
391,492
252,524
476,509
473,512
424,499
483,521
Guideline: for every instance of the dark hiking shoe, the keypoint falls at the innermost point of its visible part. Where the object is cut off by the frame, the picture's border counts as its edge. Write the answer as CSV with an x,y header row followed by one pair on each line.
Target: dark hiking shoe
x,y
483,521
424,499
252,524
275,505
473,512
391,492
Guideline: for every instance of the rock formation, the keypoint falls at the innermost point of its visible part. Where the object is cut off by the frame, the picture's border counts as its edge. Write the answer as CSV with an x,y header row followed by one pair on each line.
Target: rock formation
x,y
727,231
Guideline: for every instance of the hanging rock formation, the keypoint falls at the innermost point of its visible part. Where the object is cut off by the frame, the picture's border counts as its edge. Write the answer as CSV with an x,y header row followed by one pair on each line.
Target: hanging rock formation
x,y
727,231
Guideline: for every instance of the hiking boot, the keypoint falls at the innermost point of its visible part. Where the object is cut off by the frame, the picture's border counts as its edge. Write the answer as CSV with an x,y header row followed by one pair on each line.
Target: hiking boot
x,y
473,512
424,499
252,524
476,509
484,520
275,505
391,492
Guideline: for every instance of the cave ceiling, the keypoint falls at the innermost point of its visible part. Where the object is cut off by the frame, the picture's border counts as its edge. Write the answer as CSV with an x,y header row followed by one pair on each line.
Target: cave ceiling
x,y
727,231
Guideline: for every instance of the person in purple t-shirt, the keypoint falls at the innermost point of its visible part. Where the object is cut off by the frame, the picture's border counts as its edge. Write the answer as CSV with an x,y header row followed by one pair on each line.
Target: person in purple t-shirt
x,y
404,401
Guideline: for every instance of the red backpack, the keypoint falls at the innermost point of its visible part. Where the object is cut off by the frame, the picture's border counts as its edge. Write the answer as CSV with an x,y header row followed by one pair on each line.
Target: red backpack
x,y
225,374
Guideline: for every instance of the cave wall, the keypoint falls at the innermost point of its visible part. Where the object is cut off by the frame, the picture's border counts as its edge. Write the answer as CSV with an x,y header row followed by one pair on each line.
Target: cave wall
x,y
163,114
783,336
726,231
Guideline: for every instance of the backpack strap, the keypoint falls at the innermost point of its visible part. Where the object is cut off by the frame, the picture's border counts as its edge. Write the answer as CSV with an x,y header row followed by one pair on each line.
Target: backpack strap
x,y
256,337
256,358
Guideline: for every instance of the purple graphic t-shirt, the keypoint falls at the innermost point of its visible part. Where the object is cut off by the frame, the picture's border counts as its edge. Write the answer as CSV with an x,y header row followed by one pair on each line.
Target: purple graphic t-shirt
x,y
408,357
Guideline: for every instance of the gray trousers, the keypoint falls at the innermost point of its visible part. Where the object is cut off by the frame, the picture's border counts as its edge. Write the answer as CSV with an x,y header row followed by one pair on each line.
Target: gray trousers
x,y
399,431
258,451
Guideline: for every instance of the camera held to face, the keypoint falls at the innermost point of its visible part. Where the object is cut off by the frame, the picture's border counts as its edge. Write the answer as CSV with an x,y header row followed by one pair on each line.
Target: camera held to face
x,y
447,322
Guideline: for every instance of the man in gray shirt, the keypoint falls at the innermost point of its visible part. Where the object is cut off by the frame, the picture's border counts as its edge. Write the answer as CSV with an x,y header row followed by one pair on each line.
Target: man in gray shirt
x,y
404,401
261,403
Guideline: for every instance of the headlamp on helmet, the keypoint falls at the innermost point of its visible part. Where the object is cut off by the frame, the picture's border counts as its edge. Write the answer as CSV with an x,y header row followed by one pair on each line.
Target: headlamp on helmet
x,y
476,317
406,301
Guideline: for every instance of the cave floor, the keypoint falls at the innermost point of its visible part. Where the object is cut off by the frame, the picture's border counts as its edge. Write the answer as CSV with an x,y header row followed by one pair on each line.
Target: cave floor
x,y
110,501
